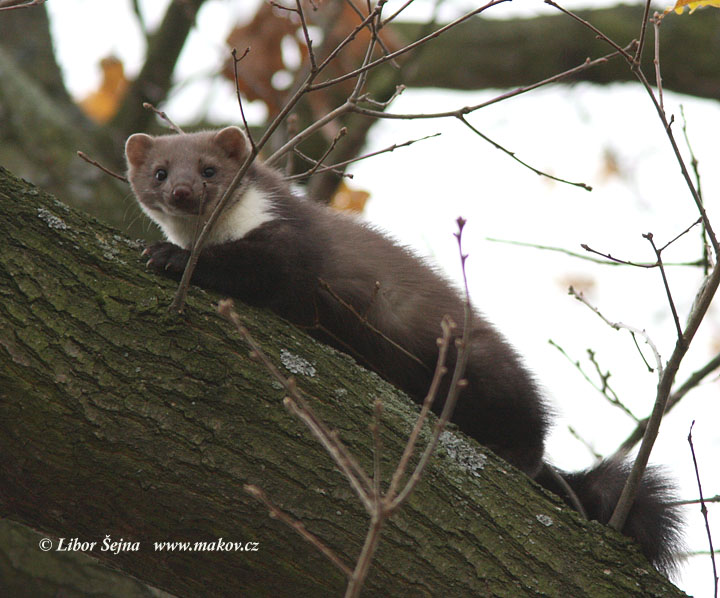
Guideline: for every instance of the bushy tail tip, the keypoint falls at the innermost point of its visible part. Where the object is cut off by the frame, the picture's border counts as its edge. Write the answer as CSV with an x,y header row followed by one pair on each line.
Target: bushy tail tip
x,y
654,522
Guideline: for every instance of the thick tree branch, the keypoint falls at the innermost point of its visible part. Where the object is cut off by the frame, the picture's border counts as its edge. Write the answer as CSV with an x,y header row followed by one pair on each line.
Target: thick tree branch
x,y
119,419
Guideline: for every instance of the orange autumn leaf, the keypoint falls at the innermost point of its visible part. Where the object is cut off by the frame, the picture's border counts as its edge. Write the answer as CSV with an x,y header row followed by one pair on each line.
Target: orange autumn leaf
x,y
272,27
349,200
693,4
101,105
264,36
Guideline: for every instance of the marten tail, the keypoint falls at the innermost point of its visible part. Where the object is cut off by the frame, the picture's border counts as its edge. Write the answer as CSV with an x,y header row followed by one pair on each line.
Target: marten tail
x,y
654,522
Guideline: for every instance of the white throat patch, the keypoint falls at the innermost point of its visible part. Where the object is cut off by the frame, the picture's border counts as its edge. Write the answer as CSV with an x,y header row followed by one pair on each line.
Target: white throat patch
x,y
248,212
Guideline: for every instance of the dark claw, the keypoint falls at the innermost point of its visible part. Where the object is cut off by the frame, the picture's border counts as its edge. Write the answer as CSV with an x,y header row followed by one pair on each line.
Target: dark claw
x,y
166,257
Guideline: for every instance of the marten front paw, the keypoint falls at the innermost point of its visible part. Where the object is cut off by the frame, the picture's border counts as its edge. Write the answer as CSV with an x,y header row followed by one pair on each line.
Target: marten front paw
x,y
167,257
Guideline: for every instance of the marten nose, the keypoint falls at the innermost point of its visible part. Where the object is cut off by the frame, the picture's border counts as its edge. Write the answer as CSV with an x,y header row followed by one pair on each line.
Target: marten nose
x,y
182,198
181,193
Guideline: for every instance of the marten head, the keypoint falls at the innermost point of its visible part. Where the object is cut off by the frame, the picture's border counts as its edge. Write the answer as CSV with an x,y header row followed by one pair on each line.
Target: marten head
x,y
185,174
179,179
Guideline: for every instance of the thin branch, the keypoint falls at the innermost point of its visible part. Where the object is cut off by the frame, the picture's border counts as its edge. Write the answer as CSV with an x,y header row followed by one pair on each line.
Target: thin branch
x,y
357,72
643,33
305,133
306,34
277,513
656,264
376,28
637,71
702,303
692,382
504,96
309,160
236,61
362,79
365,322
448,327
163,116
457,384
89,160
686,175
13,4
696,172
518,160
620,326
296,403
340,134
649,237
330,440
362,566
703,510
656,21
609,261
623,52
573,432
695,501
334,167
604,388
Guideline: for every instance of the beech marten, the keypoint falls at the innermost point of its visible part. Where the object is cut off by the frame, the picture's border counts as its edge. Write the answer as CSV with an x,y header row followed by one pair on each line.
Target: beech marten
x,y
352,287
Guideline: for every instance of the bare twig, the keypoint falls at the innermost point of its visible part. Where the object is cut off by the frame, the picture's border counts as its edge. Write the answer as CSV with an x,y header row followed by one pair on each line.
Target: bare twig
x,y
620,326
277,513
656,21
700,307
643,33
692,382
649,237
340,134
657,263
297,404
357,477
306,35
464,121
89,160
236,61
405,49
334,167
163,116
704,511
448,327
608,261
707,259
623,52
13,4
637,71
604,387
696,501
380,507
457,384
573,432
365,322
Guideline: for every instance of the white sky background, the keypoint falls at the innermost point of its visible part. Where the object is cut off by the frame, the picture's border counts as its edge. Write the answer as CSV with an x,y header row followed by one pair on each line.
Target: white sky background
x,y
418,192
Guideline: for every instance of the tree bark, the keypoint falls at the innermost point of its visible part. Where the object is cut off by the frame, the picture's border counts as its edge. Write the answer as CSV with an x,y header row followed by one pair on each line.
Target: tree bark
x,y
118,420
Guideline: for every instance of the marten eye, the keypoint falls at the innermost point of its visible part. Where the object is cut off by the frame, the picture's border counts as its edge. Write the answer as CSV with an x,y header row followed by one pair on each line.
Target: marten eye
x,y
208,172
160,174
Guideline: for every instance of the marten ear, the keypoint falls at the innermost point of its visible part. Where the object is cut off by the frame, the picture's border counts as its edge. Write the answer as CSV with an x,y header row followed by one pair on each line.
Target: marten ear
x,y
137,147
233,142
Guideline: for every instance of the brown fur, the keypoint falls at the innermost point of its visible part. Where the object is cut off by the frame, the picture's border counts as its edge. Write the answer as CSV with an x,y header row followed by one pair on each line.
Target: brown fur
x,y
352,287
